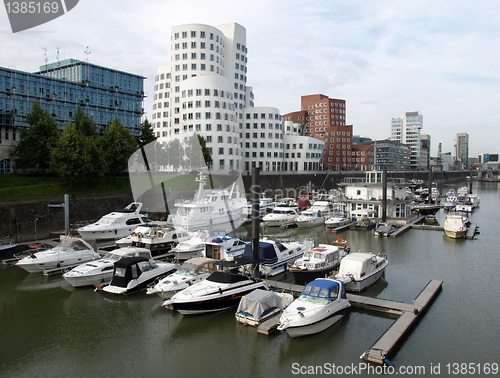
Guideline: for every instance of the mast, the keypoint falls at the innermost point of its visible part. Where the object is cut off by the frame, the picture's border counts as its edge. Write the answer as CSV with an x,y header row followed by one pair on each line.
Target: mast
x,y
255,219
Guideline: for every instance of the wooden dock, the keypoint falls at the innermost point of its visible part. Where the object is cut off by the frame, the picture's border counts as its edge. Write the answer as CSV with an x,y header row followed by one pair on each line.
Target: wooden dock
x,y
471,231
408,314
342,228
407,226
427,227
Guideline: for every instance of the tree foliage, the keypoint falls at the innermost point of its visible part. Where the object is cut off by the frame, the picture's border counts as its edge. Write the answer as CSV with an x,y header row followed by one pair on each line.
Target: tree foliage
x,y
84,123
33,150
146,133
117,146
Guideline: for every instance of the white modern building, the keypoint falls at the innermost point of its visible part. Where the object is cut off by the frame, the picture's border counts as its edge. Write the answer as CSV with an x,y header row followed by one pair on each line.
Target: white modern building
x,y
406,130
204,90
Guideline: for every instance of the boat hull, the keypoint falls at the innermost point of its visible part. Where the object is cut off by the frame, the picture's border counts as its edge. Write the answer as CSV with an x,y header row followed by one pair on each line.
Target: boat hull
x,y
96,279
303,276
317,326
359,286
455,234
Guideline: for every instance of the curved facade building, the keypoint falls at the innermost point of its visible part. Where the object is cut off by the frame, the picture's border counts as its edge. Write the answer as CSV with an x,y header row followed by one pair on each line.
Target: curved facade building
x,y
204,90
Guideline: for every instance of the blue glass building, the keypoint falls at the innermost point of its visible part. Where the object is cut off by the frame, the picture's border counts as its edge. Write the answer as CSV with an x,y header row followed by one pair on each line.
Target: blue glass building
x,y
103,93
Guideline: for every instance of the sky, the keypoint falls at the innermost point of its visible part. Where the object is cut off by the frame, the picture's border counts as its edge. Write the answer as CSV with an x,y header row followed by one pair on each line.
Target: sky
x,y
385,58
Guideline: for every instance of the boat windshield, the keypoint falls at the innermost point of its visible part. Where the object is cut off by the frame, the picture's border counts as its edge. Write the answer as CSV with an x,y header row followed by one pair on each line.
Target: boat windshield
x,y
111,257
120,272
189,270
315,294
308,255
70,245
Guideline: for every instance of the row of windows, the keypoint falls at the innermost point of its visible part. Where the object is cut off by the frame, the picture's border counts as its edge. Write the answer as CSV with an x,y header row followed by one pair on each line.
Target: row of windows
x,y
277,126
263,116
194,45
325,104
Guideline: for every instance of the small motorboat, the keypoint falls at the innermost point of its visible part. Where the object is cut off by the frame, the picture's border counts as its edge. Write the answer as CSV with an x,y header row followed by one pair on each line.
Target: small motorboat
x,y
133,274
316,263
219,291
100,272
384,229
361,269
284,214
192,271
195,245
260,305
321,304
363,224
116,224
339,219
68,253
455,226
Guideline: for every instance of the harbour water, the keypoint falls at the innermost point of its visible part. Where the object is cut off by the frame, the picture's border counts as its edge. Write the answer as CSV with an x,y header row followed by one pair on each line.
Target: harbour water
x,y
47,328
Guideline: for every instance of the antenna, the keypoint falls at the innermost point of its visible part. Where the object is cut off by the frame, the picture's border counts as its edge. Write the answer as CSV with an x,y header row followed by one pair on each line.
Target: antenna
x,y
45,54
57,55
87,53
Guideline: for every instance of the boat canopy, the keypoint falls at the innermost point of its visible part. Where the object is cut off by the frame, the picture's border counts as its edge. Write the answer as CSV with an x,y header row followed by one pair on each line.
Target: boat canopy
x,y
259,303
127,269
322,288
356,265
267,253
224,277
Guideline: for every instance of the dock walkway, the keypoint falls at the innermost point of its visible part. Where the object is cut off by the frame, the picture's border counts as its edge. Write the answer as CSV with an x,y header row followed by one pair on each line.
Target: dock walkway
x,y
407,226
408,314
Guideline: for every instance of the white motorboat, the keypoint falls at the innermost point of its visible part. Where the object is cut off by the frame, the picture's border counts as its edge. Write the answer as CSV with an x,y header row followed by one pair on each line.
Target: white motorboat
x,y
384,229
450,202
133,274
284,214
219,291
315,215
211,208
463,190
195,245
274,257
115,225
265,205
260,305
100,271
321,304
361,269
455,226
192,271
223,248
159,238
316,263
129,239
68,253
339,219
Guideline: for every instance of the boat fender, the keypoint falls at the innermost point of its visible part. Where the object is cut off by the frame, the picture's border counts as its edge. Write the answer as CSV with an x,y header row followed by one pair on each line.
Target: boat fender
x,y
203,239
220,291
388,362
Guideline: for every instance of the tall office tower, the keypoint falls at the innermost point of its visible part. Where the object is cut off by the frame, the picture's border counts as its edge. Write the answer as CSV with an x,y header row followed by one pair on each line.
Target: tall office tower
x,y
462,149
325,119
203,90
406,130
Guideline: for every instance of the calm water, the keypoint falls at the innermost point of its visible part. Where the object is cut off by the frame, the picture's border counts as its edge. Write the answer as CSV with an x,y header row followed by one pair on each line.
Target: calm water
x,y
47,328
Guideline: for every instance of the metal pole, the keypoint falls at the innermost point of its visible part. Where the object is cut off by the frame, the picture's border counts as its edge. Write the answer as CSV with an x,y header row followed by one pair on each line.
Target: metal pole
x,y
384,195
256,190
66,214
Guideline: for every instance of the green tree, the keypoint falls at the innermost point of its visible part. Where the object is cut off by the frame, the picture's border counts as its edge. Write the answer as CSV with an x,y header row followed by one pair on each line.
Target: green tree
x,y
117,146
146,133
76,155
33,150
84,123
206,152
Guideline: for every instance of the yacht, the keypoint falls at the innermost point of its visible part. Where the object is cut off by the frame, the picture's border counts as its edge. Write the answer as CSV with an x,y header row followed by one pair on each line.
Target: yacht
x,y
316,263
322,303
223,248
192,271
274,257
195,245
129,239
101,271
211,208
284,214
260,305
455,226
115,225
315,215
361,269
265,205
158,238
133,274
219,291
68,253
339,219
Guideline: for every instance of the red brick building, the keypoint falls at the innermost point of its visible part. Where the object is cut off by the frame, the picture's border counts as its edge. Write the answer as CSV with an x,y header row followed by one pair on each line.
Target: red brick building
x,y
325,119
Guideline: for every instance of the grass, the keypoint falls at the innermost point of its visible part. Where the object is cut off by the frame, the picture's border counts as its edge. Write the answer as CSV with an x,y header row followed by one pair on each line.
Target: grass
x,y
20,188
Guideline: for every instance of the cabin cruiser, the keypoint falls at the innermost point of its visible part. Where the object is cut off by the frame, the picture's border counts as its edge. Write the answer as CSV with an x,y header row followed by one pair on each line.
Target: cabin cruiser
x,y
425,208
260,305
450,202
315,215
322,303
384,229
101,271
284,214
223,248
129,239
363,224
455,226
211,208
192,271
195,245
265,205
316,263
68,253
274,257
361,269
115,225
132,274
158,238
219,291
339,219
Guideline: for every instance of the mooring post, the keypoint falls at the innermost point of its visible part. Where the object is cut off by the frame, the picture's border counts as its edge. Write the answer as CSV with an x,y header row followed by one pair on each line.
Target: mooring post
x,y
255,190
384,195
